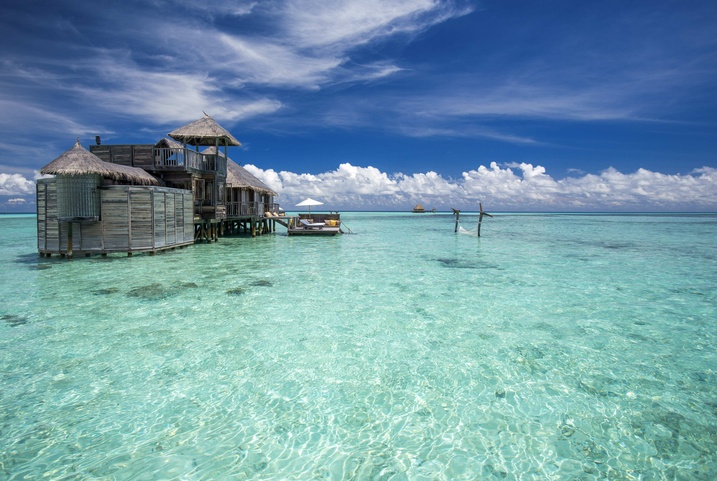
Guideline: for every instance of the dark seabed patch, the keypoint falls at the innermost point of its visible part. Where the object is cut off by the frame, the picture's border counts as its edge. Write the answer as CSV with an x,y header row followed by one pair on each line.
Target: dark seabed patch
x,y
104,292
14,320
40,267
237,291
151,292
33,258
262,283
188,285
35,262
618,245
464,264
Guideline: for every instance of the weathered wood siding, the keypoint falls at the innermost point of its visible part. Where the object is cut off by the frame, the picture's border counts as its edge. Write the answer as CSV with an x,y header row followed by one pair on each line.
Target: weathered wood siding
x,y
47,225
133,219
170,224
143,157
140,155
116,230
90,237
102,151
160,220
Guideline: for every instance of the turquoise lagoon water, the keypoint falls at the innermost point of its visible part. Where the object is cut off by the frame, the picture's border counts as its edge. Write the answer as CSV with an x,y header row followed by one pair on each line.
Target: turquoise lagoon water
x,y
552,347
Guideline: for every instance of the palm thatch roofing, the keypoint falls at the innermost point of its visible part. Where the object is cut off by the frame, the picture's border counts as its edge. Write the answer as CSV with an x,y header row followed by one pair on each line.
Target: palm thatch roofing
x,y
238,176
205,131
135,175
80,161
168,144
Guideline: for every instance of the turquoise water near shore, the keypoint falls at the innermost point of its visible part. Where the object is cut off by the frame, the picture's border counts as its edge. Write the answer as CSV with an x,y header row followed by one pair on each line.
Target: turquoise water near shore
x,y
552,347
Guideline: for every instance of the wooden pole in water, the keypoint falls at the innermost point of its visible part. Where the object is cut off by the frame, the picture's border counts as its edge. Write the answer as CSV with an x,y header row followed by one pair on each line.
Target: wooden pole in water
x,y
69,239
480,217
457,213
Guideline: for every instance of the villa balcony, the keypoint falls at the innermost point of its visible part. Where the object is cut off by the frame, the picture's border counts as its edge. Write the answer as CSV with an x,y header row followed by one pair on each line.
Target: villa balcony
x,y
186,160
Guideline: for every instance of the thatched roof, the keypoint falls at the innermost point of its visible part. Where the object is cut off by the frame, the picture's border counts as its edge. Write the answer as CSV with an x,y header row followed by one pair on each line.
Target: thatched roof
x,y
168,144
238,176
204,131
80,161
136,175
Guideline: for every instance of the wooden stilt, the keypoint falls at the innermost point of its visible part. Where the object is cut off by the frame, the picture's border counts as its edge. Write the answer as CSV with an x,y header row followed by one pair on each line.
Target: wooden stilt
x,y
457,213
69,239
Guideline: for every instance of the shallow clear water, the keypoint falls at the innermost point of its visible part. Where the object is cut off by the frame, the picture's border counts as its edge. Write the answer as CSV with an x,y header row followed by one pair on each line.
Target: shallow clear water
x,y
552,347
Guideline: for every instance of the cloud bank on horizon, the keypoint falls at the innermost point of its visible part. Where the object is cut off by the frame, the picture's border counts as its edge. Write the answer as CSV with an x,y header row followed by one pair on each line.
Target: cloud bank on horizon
x,y
520,187
562,105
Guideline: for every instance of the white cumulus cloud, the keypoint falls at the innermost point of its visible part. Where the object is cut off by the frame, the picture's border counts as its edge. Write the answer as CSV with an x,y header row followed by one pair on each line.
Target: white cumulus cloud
x,y
507,187
16,184
522,187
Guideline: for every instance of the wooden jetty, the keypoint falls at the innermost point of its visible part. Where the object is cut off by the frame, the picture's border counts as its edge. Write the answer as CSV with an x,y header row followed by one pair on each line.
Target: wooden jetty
x,y
150,197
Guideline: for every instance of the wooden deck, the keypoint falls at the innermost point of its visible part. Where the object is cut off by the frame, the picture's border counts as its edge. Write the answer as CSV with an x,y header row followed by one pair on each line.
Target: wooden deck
x,y
315,225
315,231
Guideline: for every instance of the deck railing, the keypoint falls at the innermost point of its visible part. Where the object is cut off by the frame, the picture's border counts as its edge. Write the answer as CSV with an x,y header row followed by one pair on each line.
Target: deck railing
x,y
179,158
242,209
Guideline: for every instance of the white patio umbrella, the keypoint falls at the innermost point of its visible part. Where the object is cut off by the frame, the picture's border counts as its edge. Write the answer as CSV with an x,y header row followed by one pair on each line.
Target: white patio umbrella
x,y
308,203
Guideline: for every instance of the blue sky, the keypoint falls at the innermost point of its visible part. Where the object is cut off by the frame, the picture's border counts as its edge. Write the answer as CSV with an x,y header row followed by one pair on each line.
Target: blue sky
x,y
365,104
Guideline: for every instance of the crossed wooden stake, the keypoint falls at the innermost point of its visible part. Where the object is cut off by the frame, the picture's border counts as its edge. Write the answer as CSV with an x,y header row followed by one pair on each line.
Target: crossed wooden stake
x,y
457,213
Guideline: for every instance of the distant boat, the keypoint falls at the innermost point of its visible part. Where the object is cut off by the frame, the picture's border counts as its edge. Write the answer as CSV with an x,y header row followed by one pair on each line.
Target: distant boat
x,y
419,209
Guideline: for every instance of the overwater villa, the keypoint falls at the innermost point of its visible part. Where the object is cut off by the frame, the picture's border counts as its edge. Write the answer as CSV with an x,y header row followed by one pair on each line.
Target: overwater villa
x,y
150,197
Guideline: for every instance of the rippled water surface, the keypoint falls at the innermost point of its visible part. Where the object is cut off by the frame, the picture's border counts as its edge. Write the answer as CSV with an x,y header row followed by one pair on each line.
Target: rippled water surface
x,y
552,347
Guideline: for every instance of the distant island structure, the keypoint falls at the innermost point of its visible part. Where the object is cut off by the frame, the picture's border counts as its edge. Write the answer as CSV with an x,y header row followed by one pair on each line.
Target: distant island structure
x,y
420,210
149,197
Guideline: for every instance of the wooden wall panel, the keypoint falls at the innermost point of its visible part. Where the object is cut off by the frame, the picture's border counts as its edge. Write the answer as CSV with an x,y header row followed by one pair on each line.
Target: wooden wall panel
x,y
188,217
160,226
52,226
90,237
41,203
115,219
170,219
143,157
141,225
122,154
